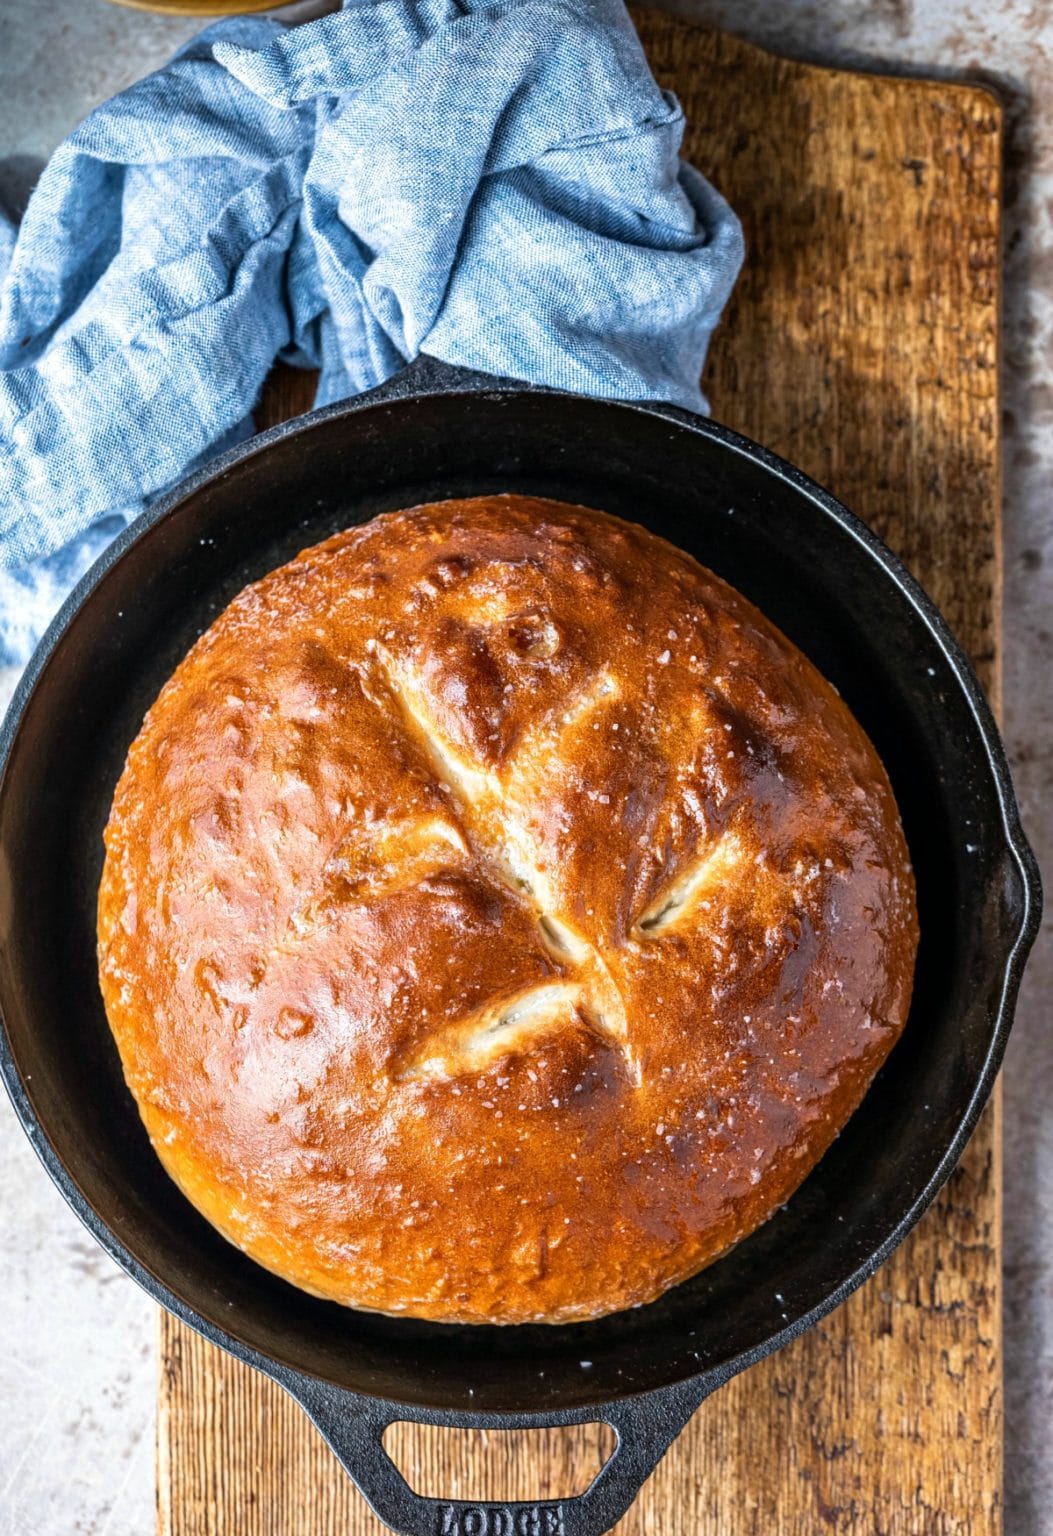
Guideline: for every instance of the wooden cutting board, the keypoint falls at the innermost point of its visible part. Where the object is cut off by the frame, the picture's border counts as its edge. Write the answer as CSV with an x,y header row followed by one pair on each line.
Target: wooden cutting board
x,y
862,344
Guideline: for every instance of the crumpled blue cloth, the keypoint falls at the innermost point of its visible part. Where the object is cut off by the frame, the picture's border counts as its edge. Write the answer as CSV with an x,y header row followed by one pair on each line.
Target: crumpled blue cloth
x,y
493,184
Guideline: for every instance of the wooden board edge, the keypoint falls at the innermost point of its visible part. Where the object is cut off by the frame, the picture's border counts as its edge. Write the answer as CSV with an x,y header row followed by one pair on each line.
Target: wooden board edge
x,y
960,85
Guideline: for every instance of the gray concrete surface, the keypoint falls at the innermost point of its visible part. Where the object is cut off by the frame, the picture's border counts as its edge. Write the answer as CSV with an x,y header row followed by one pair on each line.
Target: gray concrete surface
x,y
77,1372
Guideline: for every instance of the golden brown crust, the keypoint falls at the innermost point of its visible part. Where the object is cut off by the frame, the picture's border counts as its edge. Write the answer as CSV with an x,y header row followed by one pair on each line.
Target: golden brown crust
x,y
500,917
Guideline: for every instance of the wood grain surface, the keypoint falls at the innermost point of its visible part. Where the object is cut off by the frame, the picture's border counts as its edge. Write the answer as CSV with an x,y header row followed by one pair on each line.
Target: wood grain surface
x,y
862,343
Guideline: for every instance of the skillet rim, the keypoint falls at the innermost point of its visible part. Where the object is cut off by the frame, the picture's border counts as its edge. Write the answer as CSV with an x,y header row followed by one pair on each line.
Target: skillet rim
x,y
427,379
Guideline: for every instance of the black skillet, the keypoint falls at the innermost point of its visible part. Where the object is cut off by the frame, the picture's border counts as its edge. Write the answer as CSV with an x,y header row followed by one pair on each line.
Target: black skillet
x,y
824,579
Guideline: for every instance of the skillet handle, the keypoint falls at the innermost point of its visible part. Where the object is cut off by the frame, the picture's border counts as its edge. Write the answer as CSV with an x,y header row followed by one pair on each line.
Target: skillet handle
x,y
353,1426
431,376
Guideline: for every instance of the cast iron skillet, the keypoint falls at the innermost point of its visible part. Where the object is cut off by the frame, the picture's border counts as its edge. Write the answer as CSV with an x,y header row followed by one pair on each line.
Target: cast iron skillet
x,y
834,589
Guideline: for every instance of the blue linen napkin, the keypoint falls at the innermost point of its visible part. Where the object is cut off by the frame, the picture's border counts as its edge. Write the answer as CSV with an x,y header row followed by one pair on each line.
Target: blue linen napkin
x,y
493,184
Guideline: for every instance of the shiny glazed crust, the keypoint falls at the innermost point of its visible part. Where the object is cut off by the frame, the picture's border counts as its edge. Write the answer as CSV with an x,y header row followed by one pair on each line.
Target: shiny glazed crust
x,y
500,917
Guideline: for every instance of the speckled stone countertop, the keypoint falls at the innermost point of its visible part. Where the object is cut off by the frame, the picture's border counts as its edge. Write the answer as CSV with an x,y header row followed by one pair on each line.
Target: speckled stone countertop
x,y
77,1375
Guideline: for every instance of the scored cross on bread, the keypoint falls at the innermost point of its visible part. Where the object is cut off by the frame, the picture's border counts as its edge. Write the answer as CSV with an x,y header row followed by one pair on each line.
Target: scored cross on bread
x,y
487,801
500,917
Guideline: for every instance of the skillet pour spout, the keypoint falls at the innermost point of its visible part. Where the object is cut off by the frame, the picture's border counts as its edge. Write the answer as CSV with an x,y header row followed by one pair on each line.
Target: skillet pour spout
x,y
836,591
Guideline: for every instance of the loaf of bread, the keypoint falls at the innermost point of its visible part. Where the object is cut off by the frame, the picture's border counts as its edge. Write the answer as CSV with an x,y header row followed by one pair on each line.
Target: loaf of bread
x,y
500,917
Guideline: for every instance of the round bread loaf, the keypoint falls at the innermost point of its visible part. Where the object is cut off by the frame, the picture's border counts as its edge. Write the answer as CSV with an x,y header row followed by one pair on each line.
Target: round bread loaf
x,y
500,917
